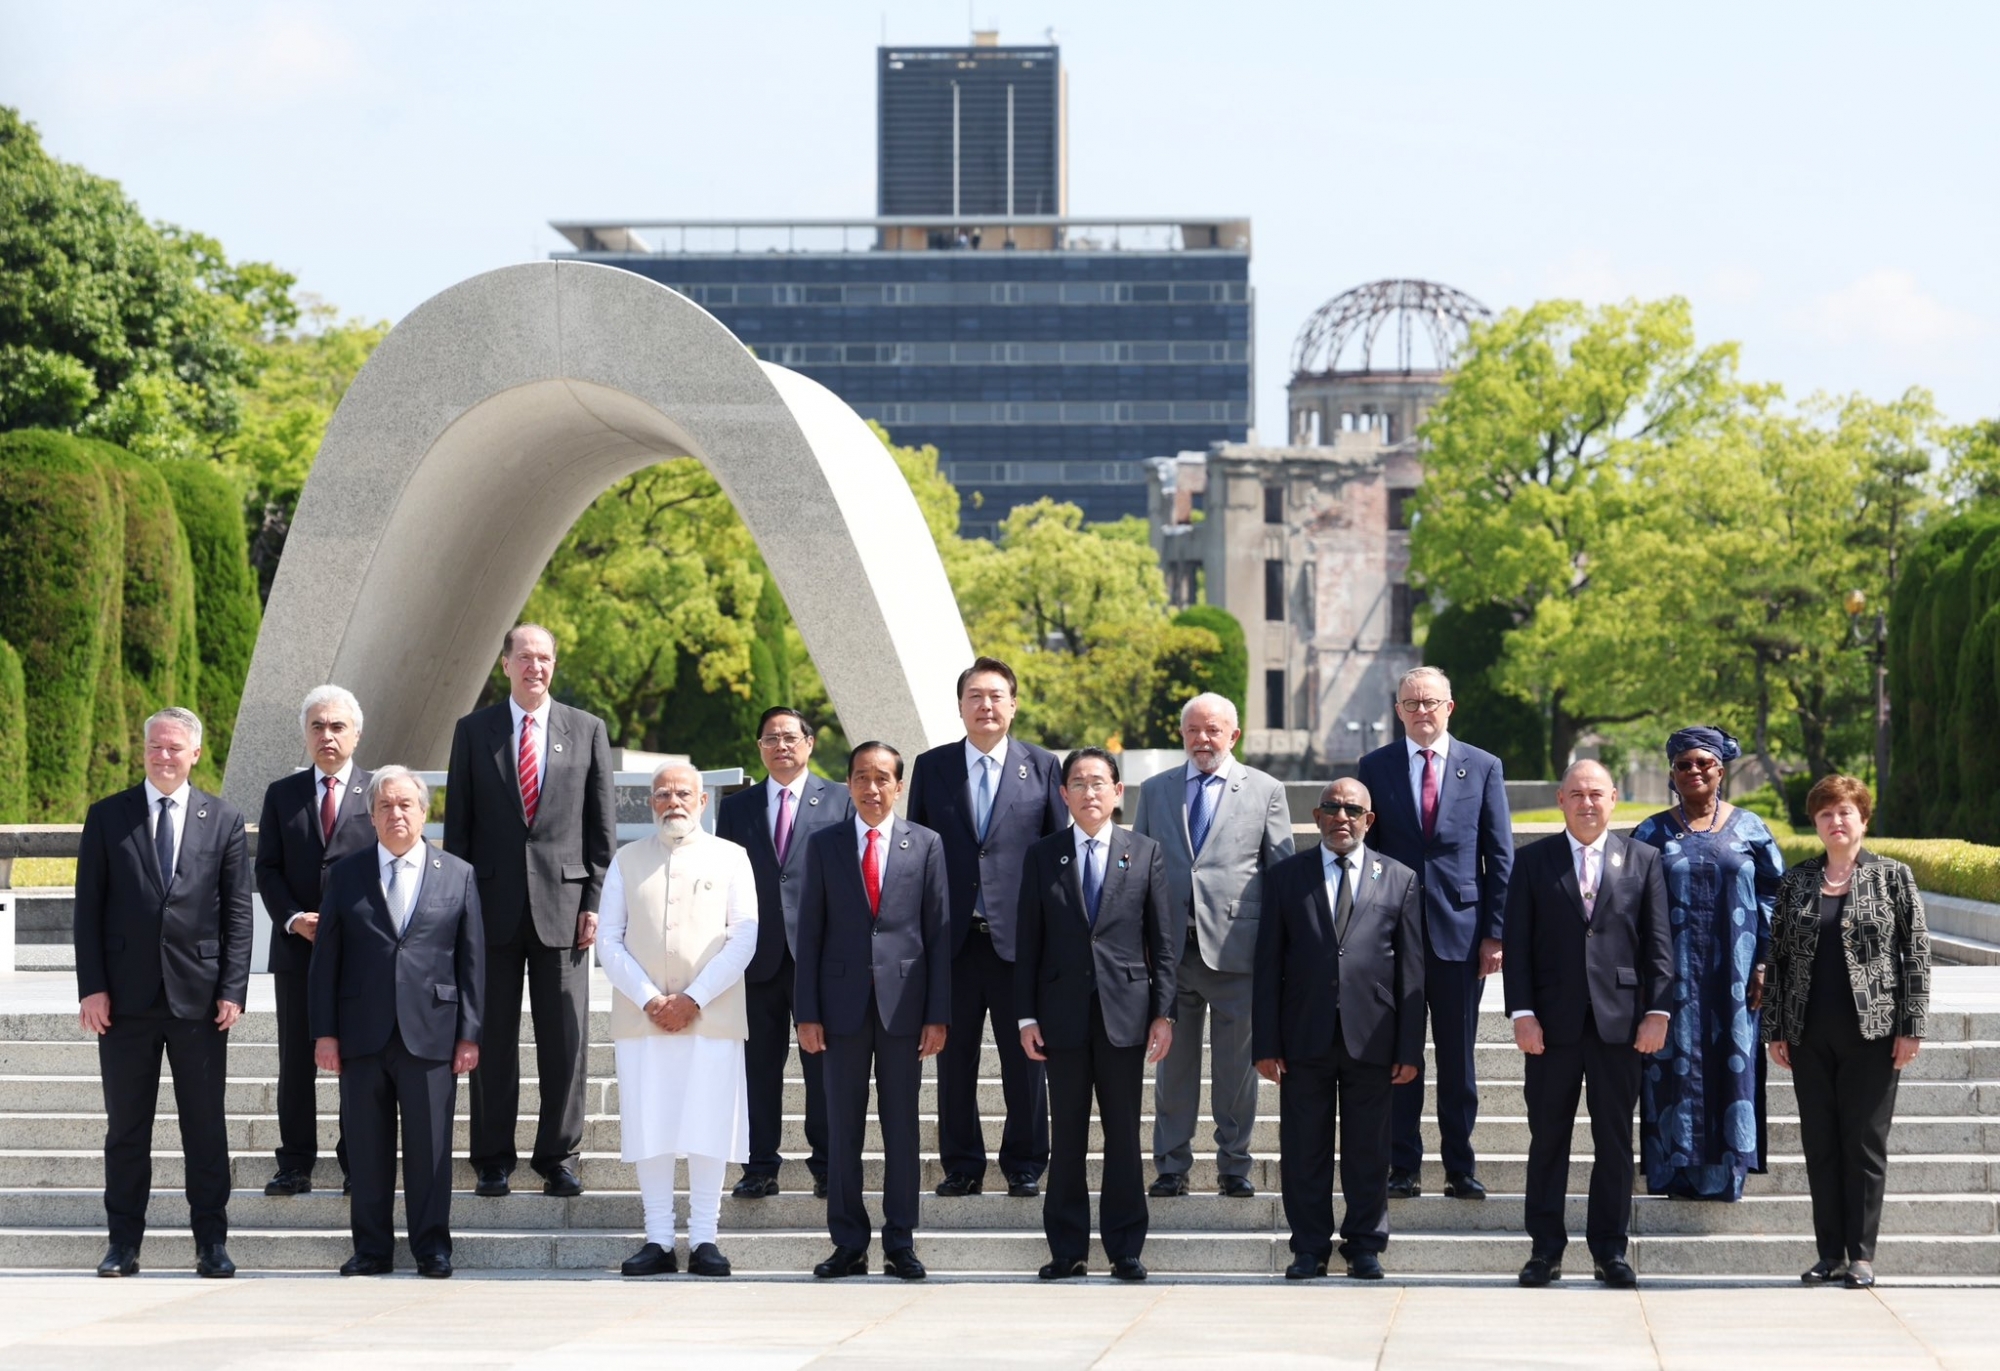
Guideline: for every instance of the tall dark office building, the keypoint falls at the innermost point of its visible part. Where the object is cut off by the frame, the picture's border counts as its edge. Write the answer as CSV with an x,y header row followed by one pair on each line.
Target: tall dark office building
x,y
975,130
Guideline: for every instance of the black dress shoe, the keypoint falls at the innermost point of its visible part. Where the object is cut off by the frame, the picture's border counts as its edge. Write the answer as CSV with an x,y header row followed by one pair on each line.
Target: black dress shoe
x,y
819,1187
903,1264
1404,1184
119,1260
289,1183
434,1268
1616,1272
1235,1188
1305,1267
1463,1185
1128,1269
1023,1188
958,1184
1168,1185
1060,1270
650,1260
845,1261
755,1187
562,1183
707,1260
1860,1275
358,1265
1364,1266
1822,1273
213,1262
1539,1271
492,1183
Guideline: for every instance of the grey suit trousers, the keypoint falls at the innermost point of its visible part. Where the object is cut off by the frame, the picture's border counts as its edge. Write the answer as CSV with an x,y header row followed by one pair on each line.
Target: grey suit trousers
x,y
1233,1080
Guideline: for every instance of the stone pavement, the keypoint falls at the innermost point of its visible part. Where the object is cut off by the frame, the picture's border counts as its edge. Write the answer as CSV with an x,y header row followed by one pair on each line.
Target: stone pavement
x,y
170,1322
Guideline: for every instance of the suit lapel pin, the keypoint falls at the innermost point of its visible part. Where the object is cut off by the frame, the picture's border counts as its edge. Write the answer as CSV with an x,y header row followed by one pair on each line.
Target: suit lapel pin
x,y
1375,871
558,748
812,799
1461,773
437,864
904,844
1124,861
1617,859
1062,861
201,814
1023,772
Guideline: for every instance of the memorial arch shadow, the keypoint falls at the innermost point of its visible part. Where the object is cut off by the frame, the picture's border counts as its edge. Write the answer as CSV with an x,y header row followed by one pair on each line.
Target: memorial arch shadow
x,y
484,425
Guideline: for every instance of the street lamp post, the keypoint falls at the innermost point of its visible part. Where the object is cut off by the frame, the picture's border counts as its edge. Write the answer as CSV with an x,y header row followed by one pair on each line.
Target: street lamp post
x,y
1878,651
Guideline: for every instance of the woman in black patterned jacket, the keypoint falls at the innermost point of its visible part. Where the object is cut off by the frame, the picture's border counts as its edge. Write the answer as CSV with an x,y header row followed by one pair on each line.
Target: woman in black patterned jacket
x,y
1846,993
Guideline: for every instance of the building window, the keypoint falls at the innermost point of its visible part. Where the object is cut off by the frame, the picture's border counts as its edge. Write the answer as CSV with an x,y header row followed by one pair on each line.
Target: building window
x,y
1274,699
1399,508
1274,504
1400,604
1274,591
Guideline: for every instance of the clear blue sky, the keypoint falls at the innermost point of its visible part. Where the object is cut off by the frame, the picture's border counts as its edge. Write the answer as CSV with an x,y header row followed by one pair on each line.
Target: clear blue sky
x,y
1820,179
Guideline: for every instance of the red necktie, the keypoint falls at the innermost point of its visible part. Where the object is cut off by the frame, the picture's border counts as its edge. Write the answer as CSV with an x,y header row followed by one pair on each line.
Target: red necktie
x,y
871,873
1430,792
327,810
531,780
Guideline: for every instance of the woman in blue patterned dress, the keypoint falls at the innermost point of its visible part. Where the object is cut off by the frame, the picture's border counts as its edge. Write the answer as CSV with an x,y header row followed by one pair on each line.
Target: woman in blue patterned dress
x,y
1701,1098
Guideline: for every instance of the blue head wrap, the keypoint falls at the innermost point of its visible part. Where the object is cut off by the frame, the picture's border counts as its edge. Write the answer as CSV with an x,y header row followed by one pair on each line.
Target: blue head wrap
x,y
1706,737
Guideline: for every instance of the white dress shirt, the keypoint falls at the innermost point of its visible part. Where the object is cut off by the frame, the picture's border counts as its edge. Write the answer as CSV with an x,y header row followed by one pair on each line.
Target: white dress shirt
x,y
1103,835
1442,747
412,880
993,761
1355,860
541,717
180,815
881,847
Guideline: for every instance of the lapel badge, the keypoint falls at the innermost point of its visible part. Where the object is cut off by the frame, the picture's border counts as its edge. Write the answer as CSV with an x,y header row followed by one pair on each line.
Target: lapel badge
x,y
201,814
1617,859
1461,773
354,790
812,800
904,844
1023,772
1062,861
558,747
1375,871
437,864
1124,861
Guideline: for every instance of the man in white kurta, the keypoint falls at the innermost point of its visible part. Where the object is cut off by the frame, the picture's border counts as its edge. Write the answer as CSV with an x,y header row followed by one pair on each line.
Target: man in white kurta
x,y
677,927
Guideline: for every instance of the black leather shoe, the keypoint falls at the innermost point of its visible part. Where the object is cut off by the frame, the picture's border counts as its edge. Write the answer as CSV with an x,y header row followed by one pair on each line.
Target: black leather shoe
x,y
562,1183
1063,1270
434,1268
1463,1185
1235,1188
1364,1266
1404,1184
755,1187
1305,1267
1128,1269
1617,1273
650,1260
289,1183
1023,1188
1540,1271
1168,1185
358,1265
903,1265
1823,1273
213,1262
492,1183
707,1260
1860,1275
958,1184
819,1187
845,1261
119,1260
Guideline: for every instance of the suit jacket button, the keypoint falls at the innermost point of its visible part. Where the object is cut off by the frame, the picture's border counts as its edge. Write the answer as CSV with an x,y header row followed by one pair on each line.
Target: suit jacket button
x,y
784,875
875,932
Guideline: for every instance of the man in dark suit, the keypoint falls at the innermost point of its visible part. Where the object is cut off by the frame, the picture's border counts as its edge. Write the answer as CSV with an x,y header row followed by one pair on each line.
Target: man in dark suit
x,y
162,934
988,797
772,822
531,803
1094,978
1441,810
397,979
312,819
874,994
1339,1020
1589,978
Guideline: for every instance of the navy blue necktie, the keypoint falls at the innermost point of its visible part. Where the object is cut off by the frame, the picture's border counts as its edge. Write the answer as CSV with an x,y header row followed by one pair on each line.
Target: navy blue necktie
x,y
1093,878
1204,812
163,842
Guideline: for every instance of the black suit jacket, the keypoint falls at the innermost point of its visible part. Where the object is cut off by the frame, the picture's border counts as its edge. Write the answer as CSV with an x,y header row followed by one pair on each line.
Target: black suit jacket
x,y
1027,806
292,860
1127,958
1464,867
901,956
1619,966
741,819
132,937
427,984
548,873
1369,987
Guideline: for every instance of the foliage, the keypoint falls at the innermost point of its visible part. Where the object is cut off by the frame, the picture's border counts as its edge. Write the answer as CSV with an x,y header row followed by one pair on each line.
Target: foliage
x,y
227,611
1225,673
1975,460
13,738
1467,643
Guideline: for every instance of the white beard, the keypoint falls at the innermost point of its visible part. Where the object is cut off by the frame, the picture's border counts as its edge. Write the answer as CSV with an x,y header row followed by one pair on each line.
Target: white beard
x,y
673,830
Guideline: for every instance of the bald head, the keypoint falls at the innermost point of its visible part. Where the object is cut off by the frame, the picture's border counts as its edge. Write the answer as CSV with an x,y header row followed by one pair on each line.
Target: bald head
x,y
1587,796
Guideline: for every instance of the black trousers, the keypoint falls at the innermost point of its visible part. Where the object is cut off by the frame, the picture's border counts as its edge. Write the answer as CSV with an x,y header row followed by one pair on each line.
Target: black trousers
x,y
1116,1076
982,987
298,1106
1313,1093
559,998
893,1060
769,1005
1606,1074
374,1091
1451,990
128,1056
1846,1086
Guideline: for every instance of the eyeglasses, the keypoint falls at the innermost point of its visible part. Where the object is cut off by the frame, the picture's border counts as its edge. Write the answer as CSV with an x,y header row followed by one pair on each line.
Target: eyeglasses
x,y
1687,766
1421,706
1094,786
1351,811
777,740
665,794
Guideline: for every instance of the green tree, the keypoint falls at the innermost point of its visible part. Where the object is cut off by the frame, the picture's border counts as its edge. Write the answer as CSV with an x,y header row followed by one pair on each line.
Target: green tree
x,y
1975,460
1226,673
1467,643
13,738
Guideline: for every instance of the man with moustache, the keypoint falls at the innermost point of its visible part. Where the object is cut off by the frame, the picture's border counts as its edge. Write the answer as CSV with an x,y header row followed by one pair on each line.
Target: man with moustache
x,y
874,994
678,927
1339,1019
311,819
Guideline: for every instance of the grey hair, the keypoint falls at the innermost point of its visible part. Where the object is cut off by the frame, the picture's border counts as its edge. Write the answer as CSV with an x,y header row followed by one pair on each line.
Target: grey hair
x,y
1425,673
330,695
1579,764
179,718
384,774
664,767
1213,700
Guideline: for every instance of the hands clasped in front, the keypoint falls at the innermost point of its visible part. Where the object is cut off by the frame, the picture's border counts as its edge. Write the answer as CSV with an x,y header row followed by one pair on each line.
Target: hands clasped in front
x,y
1651,1037
672,1013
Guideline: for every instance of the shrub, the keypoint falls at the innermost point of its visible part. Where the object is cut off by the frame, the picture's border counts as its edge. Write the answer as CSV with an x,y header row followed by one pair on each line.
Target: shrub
x,y
227,612
13,739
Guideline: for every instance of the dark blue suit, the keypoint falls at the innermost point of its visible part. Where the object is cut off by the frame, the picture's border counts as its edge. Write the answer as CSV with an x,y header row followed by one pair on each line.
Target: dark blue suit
x,y
985,881
1463,869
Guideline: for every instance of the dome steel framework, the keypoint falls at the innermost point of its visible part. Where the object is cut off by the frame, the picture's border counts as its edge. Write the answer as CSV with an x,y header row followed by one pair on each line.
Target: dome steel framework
x,y
1405,308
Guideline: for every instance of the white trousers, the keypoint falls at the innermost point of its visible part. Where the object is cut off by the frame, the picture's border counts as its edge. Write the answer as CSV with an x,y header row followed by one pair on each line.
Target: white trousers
x,y
656,1191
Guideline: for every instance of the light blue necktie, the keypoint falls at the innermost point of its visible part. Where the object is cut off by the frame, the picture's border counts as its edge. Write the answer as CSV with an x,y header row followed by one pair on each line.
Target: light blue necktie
x,y
982,799
1093,876
399,896
1204,812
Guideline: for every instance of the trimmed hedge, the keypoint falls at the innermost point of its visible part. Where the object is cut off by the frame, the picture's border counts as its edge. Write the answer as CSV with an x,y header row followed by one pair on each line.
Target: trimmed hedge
x,y
225,597
1942,866
13,739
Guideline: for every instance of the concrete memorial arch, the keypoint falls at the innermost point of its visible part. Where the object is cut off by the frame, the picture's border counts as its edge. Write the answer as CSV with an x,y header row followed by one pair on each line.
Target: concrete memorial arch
x,y
484,425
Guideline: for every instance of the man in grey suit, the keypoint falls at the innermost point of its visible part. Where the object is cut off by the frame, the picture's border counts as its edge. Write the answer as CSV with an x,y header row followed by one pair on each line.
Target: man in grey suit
x,y
1220,825
530,803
